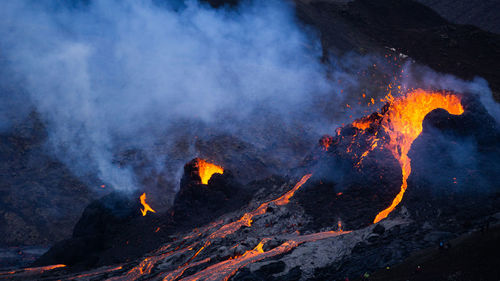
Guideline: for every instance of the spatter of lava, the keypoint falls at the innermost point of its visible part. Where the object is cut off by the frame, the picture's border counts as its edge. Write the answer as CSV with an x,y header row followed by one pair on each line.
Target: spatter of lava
x,y
402,123
146,206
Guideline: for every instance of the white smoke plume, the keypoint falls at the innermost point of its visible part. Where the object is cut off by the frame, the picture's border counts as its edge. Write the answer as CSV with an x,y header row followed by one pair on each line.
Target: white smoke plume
x,y
126,72
111,74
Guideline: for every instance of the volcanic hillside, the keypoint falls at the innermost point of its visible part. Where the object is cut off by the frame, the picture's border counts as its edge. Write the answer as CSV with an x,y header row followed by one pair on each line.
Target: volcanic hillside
x,y
401,188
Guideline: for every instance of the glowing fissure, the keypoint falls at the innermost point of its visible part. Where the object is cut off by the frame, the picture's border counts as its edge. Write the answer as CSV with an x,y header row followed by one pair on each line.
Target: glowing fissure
x,y
224,269
246,219
146,265
86,276
206,170
373,145
229,267
33,270
147,208
174,275
403,124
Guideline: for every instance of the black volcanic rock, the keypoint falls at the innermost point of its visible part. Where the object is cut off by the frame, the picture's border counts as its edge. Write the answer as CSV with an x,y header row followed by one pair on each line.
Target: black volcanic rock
x,y
40,198
104,214
104,220
409,27
343,190
471,257
199,203
455,159
481,13
112,229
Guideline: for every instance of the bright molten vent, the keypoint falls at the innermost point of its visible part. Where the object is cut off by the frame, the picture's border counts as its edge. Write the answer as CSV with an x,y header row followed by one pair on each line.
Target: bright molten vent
x,y
403,124
206,170
146,206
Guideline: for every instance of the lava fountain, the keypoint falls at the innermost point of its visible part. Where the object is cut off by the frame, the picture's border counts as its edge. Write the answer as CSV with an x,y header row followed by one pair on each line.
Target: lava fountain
x,y
206,170
403,124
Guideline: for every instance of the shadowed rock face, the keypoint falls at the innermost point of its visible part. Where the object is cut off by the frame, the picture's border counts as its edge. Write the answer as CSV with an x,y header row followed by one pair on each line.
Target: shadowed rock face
x,y
342,191
416,224
481,13
199,203
409,27
40,199
112,229
453,160
33,178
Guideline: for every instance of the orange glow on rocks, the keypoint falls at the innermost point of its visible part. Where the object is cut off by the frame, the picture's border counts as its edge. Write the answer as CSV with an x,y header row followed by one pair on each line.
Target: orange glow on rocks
x,y
246,219
147,208
206,170
226,269
27,272
403,124
361,124
325,142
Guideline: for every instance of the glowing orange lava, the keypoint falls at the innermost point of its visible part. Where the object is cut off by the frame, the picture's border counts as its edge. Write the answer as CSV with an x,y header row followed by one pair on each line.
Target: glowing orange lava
x,y
29,271
145,205
226,269
246,219
206,170
361,124
403,124
220,270
325,142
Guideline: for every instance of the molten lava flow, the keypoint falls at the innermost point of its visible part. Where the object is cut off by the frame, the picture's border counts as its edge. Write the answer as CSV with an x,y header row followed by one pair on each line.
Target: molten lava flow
x,y
95,273
403,124
220,270
146,265
174,275
25,272
285,198
246,219
146,206
224,270
206,170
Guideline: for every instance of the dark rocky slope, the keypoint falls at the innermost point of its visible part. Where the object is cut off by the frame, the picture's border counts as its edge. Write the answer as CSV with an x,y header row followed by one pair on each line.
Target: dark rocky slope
x,y
112,229
40,199
481,13
362,26
469,257
409,27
